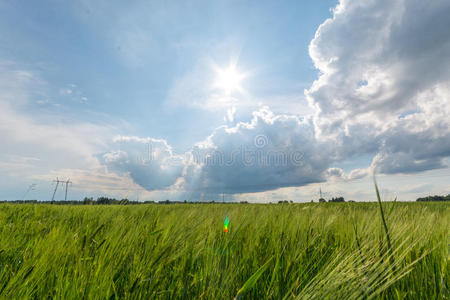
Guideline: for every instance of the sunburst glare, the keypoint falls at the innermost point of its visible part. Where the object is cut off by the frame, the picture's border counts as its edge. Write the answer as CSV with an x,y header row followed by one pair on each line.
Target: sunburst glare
x,y
229,79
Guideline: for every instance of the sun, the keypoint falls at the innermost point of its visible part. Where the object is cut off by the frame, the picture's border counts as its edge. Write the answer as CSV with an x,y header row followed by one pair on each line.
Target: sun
x,y
229,79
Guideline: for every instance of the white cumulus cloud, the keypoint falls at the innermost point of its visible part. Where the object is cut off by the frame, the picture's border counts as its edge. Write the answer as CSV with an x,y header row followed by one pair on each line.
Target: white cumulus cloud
x,y
384,82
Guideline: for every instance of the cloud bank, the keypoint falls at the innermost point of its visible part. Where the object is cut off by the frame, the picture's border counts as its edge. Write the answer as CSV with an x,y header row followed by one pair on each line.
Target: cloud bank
x,y
384,82
383,90
151,163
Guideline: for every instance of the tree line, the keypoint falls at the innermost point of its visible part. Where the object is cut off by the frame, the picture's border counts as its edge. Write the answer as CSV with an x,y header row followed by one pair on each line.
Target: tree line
x,y
106,201
434,198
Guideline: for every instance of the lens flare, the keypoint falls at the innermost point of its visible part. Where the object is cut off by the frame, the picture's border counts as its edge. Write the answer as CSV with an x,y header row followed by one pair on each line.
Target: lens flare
x,y
226,223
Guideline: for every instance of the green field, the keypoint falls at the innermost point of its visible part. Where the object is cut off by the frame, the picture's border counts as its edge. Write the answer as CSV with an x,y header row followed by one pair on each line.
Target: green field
x,y
180,251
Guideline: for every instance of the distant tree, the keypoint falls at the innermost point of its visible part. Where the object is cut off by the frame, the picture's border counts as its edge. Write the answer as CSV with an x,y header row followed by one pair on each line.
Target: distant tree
x,y
322,200
338,199
106,200
434,198
87,200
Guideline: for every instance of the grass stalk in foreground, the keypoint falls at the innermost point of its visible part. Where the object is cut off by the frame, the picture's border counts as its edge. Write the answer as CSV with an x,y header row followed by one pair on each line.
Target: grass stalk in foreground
x,y
383,219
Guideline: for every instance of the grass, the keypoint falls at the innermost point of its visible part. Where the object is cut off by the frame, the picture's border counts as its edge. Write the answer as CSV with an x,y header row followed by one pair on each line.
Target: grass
x,y
284,251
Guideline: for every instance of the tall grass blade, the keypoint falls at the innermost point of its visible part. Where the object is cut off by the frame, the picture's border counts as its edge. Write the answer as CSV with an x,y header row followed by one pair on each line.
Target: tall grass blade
x,y
250,283
383,219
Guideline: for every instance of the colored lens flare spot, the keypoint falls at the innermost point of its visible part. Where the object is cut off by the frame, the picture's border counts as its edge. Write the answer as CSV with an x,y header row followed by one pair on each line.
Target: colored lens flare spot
x,y
226,222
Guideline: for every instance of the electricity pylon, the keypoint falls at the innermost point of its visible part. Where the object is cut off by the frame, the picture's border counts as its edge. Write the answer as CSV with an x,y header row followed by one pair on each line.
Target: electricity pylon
x,y
67,186
56,187
31,187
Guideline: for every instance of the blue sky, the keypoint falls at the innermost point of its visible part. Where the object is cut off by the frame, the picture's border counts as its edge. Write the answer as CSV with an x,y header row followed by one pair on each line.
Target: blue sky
x,y
88,87
125,58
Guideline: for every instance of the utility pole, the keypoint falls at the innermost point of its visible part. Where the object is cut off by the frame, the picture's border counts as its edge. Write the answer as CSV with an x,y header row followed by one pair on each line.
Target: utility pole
x,y
320,191
56,187
31,187
67,186
223,197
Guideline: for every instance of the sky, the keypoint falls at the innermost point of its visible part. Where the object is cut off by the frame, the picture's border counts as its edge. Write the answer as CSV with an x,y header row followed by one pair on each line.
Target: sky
x,y
238,100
